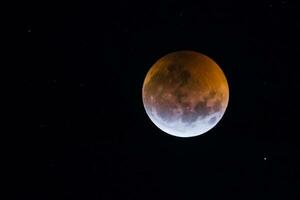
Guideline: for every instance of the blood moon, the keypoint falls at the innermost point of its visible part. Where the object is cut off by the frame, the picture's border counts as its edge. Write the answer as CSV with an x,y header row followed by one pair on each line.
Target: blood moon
x,y
185,93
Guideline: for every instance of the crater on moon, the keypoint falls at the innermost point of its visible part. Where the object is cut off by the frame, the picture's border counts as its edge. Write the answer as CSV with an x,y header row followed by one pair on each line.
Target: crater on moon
x,y
185,93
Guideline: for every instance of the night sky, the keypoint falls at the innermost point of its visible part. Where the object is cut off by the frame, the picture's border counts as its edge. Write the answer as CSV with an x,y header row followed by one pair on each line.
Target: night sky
x,y
83,132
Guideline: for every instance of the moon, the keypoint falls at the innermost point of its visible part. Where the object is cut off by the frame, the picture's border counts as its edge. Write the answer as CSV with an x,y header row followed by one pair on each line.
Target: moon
x,y
185,93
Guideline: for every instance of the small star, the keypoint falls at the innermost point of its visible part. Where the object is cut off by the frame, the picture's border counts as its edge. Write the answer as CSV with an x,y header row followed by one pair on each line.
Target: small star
x,y
29,30
270,5
265,158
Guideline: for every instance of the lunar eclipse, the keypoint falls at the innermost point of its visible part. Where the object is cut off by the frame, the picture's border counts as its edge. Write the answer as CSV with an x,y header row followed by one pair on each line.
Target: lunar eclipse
x,y
185,93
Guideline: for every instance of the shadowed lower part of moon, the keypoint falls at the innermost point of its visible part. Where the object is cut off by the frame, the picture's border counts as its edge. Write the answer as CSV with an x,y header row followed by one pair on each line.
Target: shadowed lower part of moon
x,y
185,93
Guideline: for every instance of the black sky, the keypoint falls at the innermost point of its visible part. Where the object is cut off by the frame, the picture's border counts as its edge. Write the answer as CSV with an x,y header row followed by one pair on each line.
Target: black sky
x,y
83,131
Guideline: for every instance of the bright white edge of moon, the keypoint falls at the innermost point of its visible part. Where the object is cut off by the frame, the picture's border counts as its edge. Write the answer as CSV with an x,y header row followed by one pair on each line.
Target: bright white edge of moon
x,y
178,128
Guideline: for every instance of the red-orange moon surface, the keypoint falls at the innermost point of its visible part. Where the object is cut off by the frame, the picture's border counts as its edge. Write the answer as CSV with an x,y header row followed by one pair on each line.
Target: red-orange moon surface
x,y
185,93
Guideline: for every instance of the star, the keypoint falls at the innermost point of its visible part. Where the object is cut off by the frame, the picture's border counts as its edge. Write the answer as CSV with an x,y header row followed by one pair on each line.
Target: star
x,y
265,158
